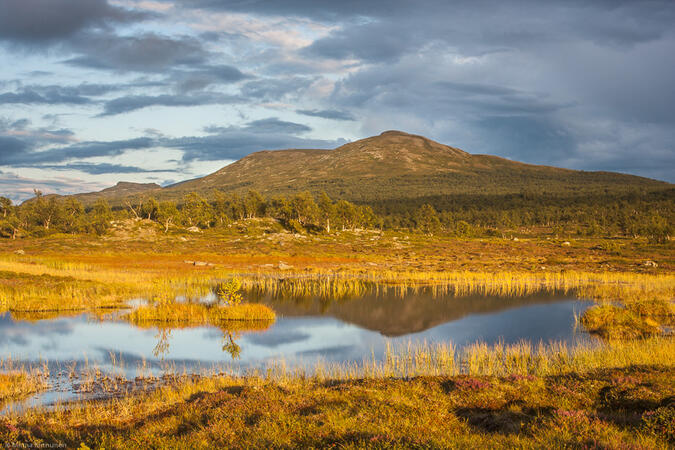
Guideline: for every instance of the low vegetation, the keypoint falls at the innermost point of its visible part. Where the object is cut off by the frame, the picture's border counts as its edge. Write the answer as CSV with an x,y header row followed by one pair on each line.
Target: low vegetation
x,y
604,397
632,319
615,392
188,313
18,382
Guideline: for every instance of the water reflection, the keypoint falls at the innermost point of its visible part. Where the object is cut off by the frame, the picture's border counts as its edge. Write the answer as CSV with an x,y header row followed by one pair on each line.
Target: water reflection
x,y
400,312
307,330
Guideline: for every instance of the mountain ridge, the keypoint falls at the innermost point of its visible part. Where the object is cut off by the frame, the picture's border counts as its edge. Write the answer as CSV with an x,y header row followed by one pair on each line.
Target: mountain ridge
x,y
391,165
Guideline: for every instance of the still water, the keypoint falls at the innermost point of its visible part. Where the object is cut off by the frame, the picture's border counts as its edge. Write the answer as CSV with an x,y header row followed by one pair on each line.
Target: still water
x,y
306,331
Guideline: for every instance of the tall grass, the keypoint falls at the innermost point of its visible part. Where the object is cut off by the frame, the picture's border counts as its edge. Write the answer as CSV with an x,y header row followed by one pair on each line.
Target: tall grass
x,y
17,380
176,313
43,283
522,358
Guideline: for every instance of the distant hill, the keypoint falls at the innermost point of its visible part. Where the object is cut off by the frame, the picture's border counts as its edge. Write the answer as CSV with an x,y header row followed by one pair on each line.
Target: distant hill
x,y
119,192
398,165
393,165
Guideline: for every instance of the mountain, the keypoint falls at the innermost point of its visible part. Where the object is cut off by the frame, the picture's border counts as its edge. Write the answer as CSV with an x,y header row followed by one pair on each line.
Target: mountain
x,y
398,165
393,165
122,190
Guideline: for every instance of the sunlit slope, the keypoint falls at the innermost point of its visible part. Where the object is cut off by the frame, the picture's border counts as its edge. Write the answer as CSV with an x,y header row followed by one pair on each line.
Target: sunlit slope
x,y
399,165
393,165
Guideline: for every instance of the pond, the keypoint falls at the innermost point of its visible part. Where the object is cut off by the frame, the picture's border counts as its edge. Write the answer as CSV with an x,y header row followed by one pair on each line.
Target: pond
x,y
307,330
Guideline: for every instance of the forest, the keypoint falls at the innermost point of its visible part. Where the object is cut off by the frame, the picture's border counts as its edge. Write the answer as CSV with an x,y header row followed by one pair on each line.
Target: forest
x,y
634,214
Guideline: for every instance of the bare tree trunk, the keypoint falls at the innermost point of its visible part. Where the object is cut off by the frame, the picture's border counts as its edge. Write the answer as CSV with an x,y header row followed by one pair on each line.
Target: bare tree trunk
x,y
131,208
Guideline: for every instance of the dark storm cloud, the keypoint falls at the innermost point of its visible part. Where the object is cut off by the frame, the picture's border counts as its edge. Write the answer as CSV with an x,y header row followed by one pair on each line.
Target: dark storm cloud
x,y
136,102
580,84
149,52
373,42
482,27
327,114
35,21
322,10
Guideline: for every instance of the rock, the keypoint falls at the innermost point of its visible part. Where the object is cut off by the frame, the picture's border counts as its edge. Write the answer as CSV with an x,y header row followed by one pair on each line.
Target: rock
x,y
283,266
194,230
198,263
515,239
650,264
183,238
20,252
566,244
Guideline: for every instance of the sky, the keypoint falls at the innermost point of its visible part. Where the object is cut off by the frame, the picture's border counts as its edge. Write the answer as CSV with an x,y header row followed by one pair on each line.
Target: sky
x,y
97,91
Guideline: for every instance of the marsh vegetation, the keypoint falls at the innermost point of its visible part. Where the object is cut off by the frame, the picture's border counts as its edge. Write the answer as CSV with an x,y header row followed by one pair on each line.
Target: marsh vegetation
x,y
405,299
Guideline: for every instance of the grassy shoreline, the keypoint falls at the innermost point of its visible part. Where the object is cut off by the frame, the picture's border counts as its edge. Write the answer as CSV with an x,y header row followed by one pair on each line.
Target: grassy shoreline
x,y
602,397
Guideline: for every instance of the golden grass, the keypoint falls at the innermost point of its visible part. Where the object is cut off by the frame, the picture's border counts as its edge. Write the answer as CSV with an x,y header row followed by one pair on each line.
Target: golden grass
x,y
71,281
523,358
19,381
188,313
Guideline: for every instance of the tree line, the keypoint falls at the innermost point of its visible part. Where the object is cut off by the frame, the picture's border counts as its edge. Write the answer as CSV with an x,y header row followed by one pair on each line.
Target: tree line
x,y
648,215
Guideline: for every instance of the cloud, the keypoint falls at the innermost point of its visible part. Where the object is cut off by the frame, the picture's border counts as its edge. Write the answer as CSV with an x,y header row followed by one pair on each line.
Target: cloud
x,y
274,125
10,146
100,168
327,114
195,80
26,157
571,83
56,95
19,188
136,102
236,143
271,89
35,21
147,52
222,143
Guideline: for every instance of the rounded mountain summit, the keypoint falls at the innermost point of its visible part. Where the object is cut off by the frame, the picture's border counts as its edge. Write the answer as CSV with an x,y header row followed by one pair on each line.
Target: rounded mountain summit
x,y
392,165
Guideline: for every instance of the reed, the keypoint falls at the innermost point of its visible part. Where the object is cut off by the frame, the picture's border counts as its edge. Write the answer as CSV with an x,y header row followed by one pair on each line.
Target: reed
x,y
481,359
44,283
188,313
18,381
